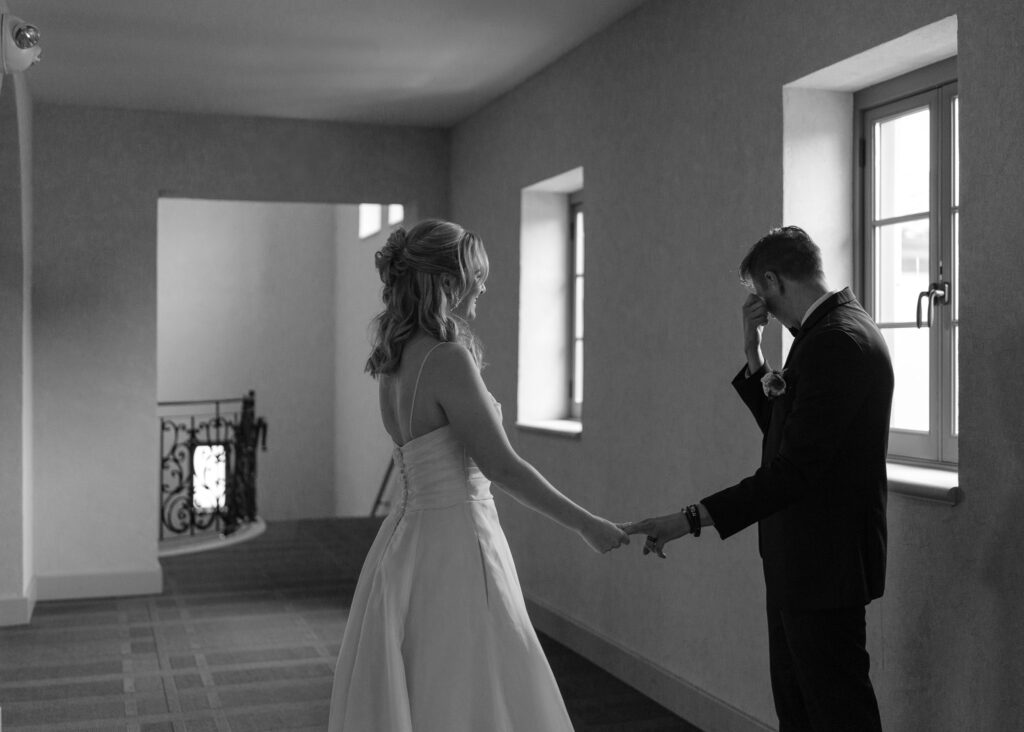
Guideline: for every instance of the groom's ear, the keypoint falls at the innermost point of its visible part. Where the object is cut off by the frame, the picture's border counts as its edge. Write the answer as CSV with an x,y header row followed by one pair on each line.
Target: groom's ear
x,y
772,280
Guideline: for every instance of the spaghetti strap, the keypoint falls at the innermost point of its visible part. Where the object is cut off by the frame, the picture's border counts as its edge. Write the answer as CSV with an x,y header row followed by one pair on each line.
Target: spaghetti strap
x,y
416,386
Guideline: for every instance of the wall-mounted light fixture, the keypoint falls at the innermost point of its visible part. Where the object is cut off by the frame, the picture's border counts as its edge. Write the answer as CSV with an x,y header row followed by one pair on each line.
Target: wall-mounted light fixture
x,y
19,44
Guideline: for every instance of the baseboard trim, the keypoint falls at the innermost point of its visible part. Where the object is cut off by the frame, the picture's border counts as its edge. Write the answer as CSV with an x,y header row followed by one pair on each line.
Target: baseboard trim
x,y
674,693
100,584
18,610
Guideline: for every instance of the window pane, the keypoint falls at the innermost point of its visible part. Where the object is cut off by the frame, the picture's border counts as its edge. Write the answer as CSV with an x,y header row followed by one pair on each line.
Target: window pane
x,y
901,270
956,381
208,479
956,151
577,372
902,164
908,348
579,243
577,312
369,219
396,213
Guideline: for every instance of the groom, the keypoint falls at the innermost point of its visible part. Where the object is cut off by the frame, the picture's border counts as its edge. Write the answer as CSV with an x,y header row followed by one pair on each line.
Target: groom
x,y
819,496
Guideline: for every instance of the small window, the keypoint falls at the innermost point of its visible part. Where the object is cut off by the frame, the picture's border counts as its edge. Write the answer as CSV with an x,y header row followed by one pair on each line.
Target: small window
x,y
576,242
551,305
370,217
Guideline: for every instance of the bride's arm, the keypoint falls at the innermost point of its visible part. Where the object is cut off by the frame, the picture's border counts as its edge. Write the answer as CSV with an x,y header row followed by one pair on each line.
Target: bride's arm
x,y
461,393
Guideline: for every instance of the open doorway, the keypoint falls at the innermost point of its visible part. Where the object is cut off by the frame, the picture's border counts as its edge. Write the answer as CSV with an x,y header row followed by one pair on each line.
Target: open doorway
x,y
276,298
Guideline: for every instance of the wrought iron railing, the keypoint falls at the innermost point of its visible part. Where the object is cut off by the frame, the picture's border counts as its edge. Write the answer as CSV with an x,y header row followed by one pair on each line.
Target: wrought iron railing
x,y
223,497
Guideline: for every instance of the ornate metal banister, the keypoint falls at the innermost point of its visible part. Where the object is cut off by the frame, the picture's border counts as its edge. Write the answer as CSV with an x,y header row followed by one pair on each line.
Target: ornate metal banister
x,y
227,439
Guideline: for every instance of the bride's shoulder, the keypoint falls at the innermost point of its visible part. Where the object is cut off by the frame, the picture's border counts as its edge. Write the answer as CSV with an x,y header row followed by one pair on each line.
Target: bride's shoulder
x,y
452,366
452,355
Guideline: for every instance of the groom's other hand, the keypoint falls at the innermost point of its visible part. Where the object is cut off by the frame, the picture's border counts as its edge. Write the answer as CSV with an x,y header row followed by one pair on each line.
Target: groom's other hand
x,y
660,531
755,317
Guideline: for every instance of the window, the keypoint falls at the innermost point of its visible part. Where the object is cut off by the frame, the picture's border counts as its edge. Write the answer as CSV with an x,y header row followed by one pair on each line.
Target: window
x,y
576,233
372,216
550,393
910,200
209,477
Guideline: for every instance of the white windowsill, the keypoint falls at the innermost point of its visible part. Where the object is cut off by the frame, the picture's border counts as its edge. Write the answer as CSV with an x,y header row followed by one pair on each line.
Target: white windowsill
x,y
930,484
560,427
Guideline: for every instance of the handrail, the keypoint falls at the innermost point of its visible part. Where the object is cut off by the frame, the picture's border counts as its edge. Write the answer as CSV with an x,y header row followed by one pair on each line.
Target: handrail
x,y
200,401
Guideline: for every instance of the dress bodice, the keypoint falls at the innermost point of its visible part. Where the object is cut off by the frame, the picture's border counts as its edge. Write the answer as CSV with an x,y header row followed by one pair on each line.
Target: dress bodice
x,y
435,471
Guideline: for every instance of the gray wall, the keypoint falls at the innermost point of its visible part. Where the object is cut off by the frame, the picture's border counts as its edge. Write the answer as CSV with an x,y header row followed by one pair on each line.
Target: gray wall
x,y
362,446
676,115
98,174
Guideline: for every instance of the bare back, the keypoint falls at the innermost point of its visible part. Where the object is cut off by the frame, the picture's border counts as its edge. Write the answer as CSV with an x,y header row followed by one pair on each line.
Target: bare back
x,y
408,402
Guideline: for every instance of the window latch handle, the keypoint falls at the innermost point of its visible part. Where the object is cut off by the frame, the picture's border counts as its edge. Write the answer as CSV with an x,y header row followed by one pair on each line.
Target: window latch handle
x,y
936,294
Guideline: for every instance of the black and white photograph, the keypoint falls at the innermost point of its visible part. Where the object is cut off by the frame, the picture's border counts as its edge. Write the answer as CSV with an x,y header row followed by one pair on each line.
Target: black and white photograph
x,y
511,366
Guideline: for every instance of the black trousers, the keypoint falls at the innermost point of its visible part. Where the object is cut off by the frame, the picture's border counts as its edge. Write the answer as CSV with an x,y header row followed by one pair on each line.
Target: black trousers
x,y
819,669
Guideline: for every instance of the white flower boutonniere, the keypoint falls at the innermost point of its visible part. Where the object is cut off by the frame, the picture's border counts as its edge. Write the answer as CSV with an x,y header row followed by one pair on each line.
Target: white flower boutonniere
x,y
774,384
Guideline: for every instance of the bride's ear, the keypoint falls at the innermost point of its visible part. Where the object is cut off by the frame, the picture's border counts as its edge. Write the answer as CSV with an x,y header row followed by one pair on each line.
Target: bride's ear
x,y
448,285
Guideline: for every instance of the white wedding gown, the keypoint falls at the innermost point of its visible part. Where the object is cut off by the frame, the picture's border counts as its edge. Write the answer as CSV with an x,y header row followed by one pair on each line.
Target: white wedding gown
x,y
438,639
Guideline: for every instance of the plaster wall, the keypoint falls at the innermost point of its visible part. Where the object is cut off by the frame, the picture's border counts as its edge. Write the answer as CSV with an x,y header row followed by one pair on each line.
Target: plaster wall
x,y
676,114
98,176
363,446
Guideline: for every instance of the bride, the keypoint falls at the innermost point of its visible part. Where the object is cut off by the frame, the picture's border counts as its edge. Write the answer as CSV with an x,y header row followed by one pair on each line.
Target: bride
x,y
437,637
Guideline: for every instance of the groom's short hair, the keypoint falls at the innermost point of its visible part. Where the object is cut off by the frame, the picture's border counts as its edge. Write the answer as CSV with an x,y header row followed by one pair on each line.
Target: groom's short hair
x,y
788,251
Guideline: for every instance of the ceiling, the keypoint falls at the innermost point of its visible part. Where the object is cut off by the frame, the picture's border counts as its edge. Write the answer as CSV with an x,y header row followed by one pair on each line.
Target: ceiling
x,y
402,62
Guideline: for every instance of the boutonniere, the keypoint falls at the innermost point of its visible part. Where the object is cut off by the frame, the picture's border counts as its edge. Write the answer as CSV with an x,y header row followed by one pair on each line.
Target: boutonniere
x,y
774,384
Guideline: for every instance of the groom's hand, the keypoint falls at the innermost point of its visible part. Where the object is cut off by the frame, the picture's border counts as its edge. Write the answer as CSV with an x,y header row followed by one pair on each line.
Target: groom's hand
x,y
755,317
660,531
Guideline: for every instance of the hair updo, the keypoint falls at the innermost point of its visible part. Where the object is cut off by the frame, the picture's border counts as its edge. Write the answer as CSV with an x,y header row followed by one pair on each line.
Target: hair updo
x,y
427,271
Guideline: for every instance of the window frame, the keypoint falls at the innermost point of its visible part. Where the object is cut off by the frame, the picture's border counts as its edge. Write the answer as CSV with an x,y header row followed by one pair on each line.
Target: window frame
x,y
934,86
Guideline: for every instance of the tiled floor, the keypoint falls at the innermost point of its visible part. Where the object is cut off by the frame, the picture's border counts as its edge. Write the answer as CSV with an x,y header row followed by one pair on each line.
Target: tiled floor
x,y
243,639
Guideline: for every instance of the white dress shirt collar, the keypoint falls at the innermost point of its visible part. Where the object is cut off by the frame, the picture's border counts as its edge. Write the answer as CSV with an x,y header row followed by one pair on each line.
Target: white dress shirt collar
x,y
815,304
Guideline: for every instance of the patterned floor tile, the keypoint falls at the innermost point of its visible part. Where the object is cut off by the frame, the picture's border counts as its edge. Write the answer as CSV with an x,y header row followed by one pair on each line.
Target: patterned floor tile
x,y
243,639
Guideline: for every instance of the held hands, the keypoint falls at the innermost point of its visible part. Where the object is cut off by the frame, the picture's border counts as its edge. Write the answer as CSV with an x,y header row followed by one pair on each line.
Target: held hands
x,y
660,531
603,535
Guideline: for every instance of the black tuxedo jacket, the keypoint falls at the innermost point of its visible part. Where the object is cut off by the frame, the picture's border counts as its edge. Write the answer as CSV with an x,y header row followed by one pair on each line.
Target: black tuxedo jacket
x,y
819,496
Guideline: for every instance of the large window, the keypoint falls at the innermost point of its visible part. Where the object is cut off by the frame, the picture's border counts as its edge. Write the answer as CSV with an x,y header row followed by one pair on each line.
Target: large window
x,y
910,201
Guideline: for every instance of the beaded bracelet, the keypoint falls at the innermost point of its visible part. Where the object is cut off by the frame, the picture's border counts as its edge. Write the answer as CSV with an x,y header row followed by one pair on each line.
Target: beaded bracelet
x,y
693,518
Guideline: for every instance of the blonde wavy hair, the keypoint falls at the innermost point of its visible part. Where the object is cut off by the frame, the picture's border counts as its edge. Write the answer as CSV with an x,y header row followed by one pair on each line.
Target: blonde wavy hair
x,y
427,271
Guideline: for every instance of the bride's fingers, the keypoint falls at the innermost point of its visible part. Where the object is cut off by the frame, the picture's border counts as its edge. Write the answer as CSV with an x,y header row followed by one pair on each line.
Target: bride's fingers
x,y
636,527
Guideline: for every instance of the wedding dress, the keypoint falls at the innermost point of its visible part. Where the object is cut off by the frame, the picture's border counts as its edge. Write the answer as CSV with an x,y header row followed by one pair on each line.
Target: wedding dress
x,y
438,638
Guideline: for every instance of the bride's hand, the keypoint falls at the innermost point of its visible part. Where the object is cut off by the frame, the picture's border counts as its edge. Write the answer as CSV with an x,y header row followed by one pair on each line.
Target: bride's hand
x,y
603,535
